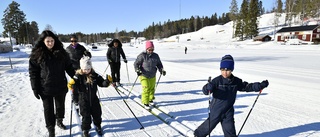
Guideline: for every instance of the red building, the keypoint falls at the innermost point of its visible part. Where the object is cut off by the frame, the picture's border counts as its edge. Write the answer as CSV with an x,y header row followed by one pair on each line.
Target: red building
x,y
304,33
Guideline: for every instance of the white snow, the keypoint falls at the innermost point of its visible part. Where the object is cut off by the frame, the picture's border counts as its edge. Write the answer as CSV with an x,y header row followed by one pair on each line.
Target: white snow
x,y
290,106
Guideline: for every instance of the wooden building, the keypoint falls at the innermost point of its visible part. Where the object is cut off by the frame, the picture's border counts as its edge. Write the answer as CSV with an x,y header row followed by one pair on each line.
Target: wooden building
x,y
306,34
262,38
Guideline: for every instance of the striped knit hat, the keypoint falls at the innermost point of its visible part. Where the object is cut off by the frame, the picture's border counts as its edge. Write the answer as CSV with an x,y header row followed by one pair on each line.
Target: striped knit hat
x,y
227,62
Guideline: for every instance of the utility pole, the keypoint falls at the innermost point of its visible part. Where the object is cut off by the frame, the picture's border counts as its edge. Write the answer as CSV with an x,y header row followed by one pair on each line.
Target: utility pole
x,y
202,27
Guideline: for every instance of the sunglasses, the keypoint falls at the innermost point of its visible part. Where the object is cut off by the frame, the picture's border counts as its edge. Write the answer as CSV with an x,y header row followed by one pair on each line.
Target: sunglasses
x,y
73,41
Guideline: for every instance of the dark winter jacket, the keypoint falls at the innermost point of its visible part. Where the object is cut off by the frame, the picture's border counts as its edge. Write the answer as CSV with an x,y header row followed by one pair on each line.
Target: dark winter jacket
x,y
148,64
113,53
76,54
82,86
224,91
47,74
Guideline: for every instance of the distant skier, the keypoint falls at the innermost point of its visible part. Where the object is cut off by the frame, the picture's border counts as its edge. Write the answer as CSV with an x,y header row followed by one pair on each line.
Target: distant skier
x,y
86,81
185,50
224,90
113,56
146,66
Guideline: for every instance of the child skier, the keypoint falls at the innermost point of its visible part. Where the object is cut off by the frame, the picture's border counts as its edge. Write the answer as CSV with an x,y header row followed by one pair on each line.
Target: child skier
x,y
146,66
86,81
224,90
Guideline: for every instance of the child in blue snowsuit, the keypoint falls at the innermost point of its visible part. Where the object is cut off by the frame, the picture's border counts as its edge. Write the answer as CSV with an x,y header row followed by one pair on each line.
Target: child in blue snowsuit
x,y
224,91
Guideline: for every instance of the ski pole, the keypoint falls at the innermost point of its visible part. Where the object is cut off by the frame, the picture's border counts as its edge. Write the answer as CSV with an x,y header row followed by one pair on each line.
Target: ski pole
x,y
249,113
129,108
128,73
71,115
132,86
158,82
209,79
99,97
106,69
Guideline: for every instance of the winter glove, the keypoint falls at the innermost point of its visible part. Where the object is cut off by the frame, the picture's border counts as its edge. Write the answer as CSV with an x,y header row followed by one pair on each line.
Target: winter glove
x,y
36,94
163,72
139,72
125,61
209,80
70,84
264,84
109,78
87,53
207,89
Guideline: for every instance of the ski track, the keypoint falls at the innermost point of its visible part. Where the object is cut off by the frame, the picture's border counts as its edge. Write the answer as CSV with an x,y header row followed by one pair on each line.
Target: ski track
x,y
287,109
115,98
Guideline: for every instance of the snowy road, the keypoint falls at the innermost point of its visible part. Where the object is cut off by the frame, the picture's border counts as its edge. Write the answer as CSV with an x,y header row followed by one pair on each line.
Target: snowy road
x,y
288,107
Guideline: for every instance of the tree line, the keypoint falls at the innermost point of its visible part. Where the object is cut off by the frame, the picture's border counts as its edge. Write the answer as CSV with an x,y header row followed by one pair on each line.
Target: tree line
x,y
244,20
16,25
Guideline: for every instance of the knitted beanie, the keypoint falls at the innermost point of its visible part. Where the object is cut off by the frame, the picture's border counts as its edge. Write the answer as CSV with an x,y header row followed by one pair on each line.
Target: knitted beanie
x,y
85,63
149,44
227,62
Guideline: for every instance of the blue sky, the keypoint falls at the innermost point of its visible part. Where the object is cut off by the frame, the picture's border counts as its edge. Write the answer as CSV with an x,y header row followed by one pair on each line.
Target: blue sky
x,y
94,16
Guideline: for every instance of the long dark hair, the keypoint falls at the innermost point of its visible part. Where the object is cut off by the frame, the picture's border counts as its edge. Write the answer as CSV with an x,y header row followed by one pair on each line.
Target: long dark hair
x,y
41,52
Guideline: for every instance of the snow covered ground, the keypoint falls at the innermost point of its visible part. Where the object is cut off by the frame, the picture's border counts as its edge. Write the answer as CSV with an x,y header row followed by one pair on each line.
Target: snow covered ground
x,y
290,106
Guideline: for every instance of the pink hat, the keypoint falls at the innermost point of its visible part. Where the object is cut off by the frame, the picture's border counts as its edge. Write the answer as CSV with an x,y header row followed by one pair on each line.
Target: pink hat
x,y
149,44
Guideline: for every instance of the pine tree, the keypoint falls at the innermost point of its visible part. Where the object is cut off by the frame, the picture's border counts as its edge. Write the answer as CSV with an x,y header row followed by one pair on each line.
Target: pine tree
x,y
233,13
239,29
261,9
279,7
34,32
244,19
253,15
289,11
13,19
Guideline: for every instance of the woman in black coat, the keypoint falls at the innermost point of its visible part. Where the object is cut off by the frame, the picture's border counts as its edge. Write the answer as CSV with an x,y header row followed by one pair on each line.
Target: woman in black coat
x,y
47,66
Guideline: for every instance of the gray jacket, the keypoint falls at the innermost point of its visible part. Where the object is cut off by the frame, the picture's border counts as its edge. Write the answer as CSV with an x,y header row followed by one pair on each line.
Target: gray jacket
x,y
148,64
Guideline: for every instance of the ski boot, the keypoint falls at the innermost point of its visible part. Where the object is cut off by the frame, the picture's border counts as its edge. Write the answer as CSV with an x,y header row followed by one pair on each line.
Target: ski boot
x,y
60,124
85,133
99,130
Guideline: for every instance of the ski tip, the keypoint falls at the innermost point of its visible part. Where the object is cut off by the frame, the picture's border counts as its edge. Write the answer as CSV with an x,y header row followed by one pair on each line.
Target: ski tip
x,y
141,128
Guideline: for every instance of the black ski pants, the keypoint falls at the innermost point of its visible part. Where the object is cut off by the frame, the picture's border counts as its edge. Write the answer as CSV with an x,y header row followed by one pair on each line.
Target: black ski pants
x,y
49,102
226,120
89,107
115,71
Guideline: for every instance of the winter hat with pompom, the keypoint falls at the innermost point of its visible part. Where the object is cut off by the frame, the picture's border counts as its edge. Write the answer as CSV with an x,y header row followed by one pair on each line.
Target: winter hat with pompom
x,y
149,44
227,62
85,63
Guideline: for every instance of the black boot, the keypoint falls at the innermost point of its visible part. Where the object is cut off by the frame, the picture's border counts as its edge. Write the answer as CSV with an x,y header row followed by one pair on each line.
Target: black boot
x,y
85,133
51,132
99,130
60,124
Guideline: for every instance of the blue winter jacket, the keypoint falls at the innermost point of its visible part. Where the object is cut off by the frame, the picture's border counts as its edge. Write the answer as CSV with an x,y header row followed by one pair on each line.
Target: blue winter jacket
x,y
224,91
